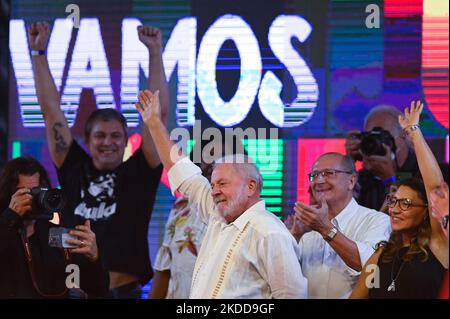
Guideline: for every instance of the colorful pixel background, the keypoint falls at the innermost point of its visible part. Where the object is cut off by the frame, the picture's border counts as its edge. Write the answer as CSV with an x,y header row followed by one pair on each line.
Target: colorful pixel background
x,y
356,68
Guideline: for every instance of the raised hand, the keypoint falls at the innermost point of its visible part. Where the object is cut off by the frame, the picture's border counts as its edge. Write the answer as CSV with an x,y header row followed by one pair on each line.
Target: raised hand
x,y
150,37
412,115
149,106
38,34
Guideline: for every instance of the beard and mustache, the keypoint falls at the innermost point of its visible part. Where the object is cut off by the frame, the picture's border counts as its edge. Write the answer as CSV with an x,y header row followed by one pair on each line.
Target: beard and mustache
x,y
232,204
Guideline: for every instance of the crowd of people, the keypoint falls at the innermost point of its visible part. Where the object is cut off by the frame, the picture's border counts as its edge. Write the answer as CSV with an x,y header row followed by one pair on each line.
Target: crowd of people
x,y
381,232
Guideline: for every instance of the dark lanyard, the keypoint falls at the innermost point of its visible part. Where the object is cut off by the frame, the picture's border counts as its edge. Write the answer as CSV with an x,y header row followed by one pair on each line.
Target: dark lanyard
x,y
27,249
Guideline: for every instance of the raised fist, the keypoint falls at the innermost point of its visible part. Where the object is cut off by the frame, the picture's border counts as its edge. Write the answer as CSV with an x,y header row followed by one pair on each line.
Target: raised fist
x,y
150,37
38,35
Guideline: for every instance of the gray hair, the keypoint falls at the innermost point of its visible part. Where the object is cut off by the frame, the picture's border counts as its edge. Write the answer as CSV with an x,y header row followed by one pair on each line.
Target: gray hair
x,y
244,166
347,164
385,109
346,161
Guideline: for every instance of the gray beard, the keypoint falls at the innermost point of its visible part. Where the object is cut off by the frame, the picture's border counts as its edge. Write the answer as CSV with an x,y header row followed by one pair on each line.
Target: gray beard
x,y
233,204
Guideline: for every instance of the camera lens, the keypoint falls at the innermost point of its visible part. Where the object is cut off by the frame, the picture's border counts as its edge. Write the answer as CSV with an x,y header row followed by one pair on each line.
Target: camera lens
x,y
372,142
52,199
45,202
372,145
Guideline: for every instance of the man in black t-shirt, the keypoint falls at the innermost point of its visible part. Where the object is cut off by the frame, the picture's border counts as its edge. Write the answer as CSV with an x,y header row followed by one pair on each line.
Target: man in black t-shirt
x,y
116,196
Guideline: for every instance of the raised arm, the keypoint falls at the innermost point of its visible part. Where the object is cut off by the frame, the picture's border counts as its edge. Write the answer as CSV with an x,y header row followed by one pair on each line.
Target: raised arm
x,y
439,205
150,109
151,38
185,177
59,137
428,165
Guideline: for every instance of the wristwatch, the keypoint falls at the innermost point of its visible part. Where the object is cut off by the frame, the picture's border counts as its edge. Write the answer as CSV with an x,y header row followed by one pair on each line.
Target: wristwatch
x,y
331,234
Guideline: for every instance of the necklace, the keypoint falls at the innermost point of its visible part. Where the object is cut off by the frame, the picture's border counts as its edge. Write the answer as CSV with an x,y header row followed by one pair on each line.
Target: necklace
x,y
393,279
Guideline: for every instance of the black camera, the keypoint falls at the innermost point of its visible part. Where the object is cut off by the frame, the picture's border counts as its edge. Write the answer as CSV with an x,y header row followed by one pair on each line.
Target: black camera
x,y
45,202
372,141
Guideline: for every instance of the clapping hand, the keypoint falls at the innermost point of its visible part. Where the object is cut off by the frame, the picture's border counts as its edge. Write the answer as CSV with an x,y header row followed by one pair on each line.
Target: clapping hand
x,y
314,217
296,227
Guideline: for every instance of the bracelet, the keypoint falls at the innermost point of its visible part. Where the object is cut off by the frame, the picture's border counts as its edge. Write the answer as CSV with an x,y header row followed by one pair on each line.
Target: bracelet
x,y
37,52
411,128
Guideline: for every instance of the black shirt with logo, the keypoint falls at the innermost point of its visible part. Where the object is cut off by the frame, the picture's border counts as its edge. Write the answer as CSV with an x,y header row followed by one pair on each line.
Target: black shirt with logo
x,y
119,204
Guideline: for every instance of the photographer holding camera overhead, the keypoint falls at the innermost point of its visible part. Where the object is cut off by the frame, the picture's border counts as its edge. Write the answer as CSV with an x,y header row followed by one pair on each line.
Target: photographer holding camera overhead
x,y
33,254
386,155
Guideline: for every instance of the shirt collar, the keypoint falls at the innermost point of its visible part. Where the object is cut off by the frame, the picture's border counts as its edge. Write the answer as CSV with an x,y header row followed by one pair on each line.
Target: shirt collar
x,y
343,218
246,216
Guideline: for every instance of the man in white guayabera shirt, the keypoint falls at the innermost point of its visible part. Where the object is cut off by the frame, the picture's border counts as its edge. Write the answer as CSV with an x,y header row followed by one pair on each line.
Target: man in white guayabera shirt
x,y
246,252
337,236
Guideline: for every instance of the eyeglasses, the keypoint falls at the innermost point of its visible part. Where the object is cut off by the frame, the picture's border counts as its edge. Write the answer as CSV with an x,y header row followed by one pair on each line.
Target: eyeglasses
x,y
404,203
326,173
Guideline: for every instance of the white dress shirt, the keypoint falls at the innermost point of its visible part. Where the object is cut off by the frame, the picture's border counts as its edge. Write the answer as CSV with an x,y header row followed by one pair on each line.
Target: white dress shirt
x,y
253,257
328,275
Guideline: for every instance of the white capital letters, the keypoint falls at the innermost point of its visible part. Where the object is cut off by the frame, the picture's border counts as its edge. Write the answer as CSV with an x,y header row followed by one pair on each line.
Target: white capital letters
x,y
281,31
181,49
228,27
88,69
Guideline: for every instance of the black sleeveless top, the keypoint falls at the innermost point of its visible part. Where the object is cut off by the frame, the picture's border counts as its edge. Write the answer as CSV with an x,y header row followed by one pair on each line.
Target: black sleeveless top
x,y
413,280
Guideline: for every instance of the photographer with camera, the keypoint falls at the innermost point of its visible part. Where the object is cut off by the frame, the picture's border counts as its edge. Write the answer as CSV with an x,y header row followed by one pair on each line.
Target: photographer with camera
x,y
33,261
386,155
